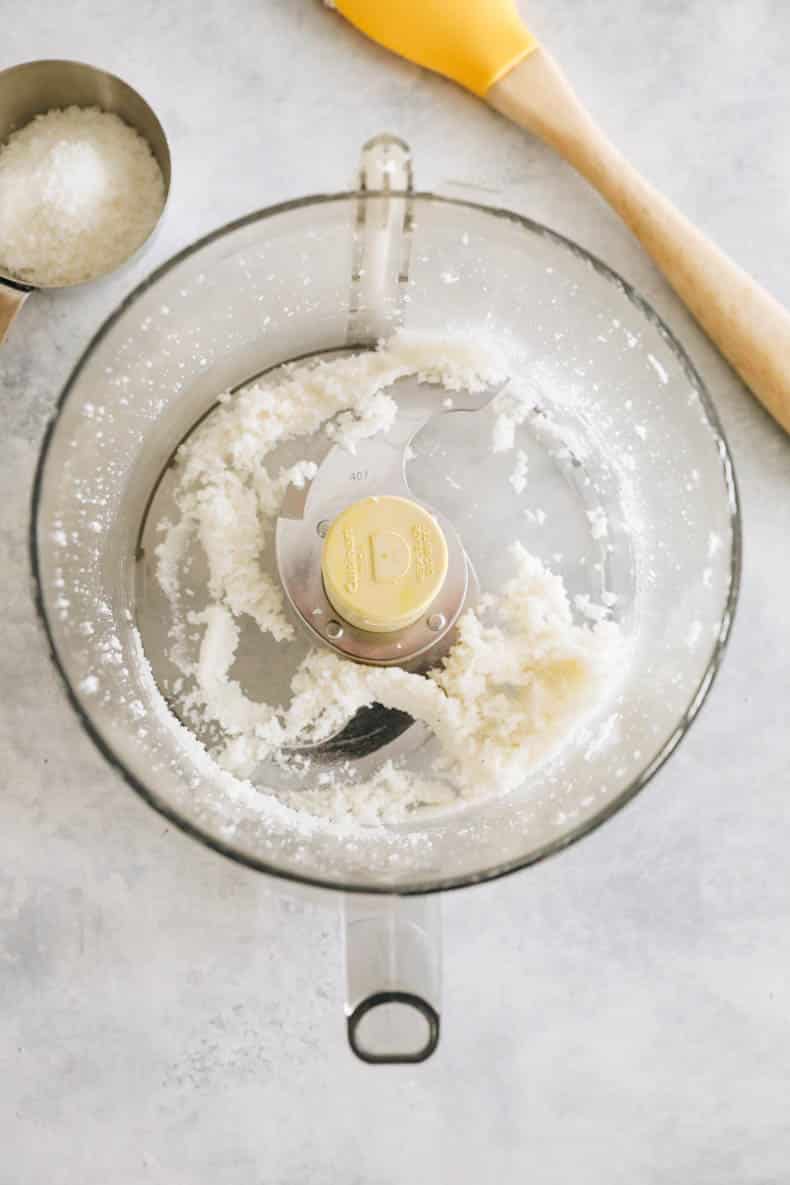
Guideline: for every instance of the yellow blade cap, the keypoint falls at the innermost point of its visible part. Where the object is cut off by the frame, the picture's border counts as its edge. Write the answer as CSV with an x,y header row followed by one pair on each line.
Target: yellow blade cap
x,y
384,560
474,42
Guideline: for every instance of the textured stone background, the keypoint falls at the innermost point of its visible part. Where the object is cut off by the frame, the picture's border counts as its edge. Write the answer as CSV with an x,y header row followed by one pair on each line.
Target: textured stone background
x,y
618,1015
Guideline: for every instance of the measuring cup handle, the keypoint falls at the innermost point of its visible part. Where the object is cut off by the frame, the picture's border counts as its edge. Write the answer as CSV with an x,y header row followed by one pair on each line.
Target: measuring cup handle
x,y
12,297
393,976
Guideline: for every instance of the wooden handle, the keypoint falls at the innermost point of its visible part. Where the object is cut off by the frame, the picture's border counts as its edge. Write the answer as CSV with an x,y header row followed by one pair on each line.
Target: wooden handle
x,y
751,329
11,301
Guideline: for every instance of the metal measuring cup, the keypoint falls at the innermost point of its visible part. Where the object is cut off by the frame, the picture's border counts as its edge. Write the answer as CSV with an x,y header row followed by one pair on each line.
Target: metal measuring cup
x,y
34,88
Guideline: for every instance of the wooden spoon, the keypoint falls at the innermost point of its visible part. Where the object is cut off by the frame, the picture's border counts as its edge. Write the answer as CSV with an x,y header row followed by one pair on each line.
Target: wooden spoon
x,y
484,46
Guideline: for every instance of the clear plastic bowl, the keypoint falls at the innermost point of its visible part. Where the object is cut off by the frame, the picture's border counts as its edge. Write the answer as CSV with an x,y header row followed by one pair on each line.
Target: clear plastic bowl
x,y
638,437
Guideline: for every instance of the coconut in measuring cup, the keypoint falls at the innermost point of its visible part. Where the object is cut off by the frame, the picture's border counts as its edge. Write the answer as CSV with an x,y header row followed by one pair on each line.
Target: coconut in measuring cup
x,y
84,177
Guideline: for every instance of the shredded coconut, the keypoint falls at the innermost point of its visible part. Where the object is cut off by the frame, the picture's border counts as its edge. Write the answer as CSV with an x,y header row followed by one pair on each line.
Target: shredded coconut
x,y
513,686
518,478
599,524
693,634
587,608
504,434
79,191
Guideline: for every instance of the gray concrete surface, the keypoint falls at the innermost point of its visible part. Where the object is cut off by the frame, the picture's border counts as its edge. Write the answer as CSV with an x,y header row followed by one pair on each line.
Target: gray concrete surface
x,y
620,1014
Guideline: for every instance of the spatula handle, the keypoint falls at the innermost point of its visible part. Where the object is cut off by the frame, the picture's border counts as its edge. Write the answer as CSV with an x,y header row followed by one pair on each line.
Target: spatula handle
x,y
750,327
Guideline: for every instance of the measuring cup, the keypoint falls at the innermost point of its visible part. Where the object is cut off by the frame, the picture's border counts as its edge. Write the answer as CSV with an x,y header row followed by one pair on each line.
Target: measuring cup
x,y
34,88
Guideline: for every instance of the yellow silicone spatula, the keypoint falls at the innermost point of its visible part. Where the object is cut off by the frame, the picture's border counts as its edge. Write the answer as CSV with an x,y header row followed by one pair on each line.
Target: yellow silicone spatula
x,y
485,46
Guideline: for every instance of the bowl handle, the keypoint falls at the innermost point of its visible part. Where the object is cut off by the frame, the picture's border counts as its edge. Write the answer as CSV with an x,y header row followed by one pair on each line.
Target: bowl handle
x,y
393,976
12,297
381,251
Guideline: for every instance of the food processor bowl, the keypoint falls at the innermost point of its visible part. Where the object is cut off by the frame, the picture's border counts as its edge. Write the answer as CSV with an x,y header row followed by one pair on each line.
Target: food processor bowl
x,y
630,489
